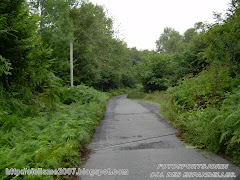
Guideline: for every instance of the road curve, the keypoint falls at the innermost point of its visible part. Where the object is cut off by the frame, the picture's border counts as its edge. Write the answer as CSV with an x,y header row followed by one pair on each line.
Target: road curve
x,y
134,136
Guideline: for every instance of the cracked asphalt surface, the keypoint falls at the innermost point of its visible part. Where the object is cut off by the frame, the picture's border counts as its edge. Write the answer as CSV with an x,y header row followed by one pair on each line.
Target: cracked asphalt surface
x,y
136,137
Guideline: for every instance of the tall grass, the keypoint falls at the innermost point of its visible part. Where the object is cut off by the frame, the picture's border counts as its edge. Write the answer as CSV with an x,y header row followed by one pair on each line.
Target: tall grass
x,y
54,134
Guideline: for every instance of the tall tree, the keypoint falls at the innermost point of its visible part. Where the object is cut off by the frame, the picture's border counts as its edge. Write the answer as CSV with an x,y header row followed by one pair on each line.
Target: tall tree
x,y
56,30
189,34
169,42
100,59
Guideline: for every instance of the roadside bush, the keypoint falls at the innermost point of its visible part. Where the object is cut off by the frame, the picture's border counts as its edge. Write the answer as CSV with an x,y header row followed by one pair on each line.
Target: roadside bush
x,y
82,94
208,88
207,111
53,139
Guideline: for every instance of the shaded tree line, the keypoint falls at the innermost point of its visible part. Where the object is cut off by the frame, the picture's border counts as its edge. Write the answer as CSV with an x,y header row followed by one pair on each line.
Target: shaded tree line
x,y
35,40
34,43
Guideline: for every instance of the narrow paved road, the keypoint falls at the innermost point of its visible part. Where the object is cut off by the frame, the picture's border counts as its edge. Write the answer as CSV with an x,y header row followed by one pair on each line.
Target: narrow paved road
x,y
134,136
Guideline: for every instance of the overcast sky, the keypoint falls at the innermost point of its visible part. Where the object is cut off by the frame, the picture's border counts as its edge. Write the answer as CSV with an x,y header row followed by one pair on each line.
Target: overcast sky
x,y
141,22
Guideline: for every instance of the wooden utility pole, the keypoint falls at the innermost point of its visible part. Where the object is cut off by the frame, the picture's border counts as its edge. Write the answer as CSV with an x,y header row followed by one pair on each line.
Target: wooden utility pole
x,y
71,63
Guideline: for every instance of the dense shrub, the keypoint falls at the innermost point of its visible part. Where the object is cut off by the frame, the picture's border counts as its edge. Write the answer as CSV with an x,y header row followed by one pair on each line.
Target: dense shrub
x,y
51,139
206,109
81,94
207,88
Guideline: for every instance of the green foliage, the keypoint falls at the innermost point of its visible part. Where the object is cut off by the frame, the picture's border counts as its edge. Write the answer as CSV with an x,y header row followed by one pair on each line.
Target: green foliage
x,y
136,95
24,58
43,124
214,126
56,30
5,66
187,55
169,42
204,104
189,34
154,72
49,139
81,94
205,108
100,60
192,59
126,91
222,40
208,88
